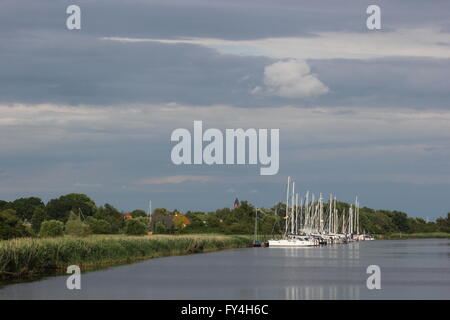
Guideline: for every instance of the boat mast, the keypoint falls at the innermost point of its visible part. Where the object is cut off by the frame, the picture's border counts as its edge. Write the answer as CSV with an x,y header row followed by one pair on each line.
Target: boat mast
x,y
287,206
350,217
357,215
307,220
336,220
292,207
302,219
330,214
296,213
256,225
321,214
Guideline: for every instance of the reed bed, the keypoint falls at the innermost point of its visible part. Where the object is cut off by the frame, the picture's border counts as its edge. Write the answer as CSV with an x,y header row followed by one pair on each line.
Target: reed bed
x,y
24,258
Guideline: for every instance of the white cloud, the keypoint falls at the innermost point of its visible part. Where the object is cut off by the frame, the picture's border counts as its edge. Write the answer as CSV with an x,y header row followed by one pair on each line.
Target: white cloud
x,y
292,79
423,42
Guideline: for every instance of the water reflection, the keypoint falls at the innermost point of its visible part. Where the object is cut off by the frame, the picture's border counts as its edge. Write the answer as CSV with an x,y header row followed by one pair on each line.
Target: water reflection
x,y
322,292
415,269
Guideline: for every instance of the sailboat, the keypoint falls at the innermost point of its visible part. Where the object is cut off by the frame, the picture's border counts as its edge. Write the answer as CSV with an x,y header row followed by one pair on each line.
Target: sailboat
x,y
292,238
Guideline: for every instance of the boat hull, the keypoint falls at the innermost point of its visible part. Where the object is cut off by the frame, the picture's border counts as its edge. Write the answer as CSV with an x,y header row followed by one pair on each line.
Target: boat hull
x,y
292,243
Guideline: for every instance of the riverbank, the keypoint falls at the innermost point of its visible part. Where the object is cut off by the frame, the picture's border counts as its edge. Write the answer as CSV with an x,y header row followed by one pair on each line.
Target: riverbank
x,y
26,258
423,235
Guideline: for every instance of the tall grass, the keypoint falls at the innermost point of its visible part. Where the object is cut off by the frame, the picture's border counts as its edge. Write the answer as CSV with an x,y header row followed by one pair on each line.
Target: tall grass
x,y
28,257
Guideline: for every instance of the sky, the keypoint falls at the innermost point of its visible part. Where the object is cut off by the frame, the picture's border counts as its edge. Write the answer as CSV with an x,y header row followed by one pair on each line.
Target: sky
x,y
361,112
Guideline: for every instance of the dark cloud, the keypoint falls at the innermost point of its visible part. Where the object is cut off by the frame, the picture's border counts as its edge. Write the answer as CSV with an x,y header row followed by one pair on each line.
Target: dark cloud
x,y
389,82
221,19
72,68
75,69
42,62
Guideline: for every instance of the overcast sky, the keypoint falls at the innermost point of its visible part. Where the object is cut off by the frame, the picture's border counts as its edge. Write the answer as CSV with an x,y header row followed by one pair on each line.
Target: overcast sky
x,y
360,112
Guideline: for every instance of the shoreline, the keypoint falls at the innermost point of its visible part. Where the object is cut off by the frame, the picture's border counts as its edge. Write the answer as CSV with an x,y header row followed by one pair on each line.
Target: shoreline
x,y
30,259
410,236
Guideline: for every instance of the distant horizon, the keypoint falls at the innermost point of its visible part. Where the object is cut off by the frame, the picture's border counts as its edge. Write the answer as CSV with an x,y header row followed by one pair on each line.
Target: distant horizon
x,y
211,209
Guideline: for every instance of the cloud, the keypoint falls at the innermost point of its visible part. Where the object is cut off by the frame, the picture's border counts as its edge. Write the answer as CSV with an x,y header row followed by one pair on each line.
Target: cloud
x,y
356,148
292,79
401,42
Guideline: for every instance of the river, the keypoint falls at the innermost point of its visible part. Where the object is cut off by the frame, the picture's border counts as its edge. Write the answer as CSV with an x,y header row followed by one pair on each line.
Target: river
x,y
410,269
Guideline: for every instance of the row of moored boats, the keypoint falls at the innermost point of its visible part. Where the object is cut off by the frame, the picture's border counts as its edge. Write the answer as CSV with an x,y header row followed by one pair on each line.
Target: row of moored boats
x,y
312,222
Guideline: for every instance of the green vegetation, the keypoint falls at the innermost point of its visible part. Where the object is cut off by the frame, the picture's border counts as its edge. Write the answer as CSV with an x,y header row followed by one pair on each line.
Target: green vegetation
x,y
80,216
76,227
28,257
51,228
135,227
11,226
46,238
80,203
423,235
98,226
39,215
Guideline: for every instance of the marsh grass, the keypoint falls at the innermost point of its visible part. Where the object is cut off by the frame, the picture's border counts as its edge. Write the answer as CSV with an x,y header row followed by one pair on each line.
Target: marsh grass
x,y
24,258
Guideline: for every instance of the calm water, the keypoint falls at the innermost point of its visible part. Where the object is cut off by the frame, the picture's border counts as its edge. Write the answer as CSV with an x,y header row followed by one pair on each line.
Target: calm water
x,y
410,269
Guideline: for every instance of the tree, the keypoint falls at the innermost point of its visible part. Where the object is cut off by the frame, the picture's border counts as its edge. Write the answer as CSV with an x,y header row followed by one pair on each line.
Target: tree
x,y
160,212
138,213
60,208
11,226
400,220
25,207
180,221
160,228
212,221
111,215
51,228
3,205
76,227
443,224
135,227
98,226
39,216
268,223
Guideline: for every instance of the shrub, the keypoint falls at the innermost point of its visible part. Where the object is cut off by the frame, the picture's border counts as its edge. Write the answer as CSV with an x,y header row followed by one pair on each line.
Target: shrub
x,y
98,226
135,227
51,228
76,227
160,228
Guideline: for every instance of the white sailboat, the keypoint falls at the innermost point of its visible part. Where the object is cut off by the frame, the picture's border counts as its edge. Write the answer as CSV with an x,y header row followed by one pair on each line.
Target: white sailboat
x,y
292,239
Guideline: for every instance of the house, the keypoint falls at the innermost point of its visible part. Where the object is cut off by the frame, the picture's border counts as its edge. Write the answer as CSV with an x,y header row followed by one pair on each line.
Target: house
x,y
166,220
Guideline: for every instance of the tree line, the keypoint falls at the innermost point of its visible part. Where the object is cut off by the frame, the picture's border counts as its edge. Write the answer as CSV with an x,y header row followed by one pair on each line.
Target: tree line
x,y
78,215
72,214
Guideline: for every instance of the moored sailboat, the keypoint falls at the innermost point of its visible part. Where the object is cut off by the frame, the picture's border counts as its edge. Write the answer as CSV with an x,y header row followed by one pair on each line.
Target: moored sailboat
x,y
313,223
